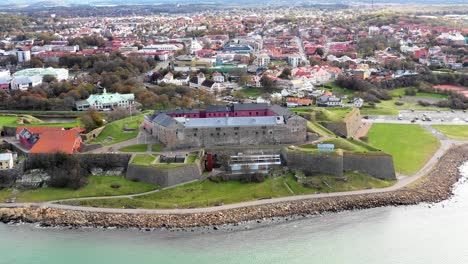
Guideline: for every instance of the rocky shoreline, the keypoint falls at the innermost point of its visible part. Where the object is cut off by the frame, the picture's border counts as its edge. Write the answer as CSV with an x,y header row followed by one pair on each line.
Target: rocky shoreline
x,y
435,187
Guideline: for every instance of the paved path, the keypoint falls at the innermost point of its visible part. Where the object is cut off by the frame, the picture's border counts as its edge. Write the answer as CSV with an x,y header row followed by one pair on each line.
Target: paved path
x,y
402,182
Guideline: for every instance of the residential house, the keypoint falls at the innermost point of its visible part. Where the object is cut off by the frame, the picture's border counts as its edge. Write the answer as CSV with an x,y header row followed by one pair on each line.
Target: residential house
x,y
50,139
200,82
329,101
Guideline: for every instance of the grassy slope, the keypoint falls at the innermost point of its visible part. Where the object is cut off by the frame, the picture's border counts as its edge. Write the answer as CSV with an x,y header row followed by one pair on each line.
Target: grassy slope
x,y
143,159
207,193
157,148
12,121
410,145
252,92
135,148
115,130
97,186
454,131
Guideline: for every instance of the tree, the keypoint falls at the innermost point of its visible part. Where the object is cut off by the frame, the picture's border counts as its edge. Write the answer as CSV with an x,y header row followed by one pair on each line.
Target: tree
x,y
268,84
285,74
92,119
320,52
49,78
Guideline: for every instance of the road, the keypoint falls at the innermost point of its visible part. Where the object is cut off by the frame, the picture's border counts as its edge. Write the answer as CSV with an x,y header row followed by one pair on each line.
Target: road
x,y
401,183
437,117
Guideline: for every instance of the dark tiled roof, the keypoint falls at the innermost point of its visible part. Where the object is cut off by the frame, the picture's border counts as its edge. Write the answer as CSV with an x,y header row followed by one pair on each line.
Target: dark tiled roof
x,y
207,83
246,107
164,120
280,110
218,108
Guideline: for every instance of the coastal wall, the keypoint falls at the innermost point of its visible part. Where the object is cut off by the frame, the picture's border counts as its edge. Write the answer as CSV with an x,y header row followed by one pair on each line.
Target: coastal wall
x,y
378,165
437,186
311,163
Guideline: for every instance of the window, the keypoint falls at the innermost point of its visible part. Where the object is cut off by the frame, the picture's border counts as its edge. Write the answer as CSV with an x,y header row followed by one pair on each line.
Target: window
x,y
218,129
217,134
235,133
194,134
236,128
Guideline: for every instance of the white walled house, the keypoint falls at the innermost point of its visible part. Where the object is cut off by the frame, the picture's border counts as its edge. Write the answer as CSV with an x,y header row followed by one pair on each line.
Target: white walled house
x,y
106,101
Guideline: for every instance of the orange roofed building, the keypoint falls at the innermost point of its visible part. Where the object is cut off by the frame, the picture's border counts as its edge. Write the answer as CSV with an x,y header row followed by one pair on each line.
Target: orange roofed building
x,y
50,139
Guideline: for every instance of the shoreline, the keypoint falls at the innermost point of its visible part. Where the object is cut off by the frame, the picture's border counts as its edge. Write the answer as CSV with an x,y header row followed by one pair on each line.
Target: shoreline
x,y
436,186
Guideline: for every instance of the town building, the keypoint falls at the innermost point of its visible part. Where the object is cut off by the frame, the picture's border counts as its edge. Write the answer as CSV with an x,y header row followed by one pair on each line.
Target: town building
x,y
27,78
106,101
233,125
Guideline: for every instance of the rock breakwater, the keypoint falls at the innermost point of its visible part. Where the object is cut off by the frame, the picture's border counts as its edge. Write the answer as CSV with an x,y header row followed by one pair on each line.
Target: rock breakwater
x,y
435,187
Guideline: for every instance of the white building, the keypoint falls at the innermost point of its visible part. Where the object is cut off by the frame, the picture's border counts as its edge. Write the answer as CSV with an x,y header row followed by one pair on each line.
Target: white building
x,y
294,60
218,77
23,55
195,46
263,60
6,161
106,101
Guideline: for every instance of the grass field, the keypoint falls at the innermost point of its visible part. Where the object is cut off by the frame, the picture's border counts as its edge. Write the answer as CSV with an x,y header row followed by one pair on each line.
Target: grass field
x,y
206,193
14,121
335,89
97,186
135,148
410,145
455,132
113,133
319,129
157,147
252,92
344,144
8,121
143,159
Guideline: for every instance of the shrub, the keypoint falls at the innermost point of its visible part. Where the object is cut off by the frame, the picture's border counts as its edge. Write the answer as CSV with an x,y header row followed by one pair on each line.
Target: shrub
x,y
399,103
115,186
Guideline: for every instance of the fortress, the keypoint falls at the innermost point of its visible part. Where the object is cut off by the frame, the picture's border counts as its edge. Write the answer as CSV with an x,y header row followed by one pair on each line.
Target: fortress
x,y
221,125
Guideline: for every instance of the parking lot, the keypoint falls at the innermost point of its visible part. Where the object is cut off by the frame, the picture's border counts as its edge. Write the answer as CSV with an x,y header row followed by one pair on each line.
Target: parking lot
x,y
456,117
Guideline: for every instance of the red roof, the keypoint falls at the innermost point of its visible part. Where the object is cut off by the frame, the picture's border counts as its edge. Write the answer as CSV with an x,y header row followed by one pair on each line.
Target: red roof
x,y
37,129
66,141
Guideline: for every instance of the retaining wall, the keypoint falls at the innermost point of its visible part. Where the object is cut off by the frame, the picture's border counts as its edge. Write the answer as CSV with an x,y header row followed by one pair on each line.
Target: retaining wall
x,y
311,163
165,177
378,165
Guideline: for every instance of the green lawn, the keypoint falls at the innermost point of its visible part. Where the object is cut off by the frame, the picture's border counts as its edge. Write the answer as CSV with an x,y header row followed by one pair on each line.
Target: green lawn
x,y
335,89
135,148
453,131
8,121
113,132
351,182
252,92
143,159
331,114
97,186
192,158
344,144
319,129
157,148
14,121
410,145
206,193
432,95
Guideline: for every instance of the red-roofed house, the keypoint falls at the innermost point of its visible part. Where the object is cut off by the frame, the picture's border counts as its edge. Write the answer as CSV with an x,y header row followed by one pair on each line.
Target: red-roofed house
x,y
50,139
